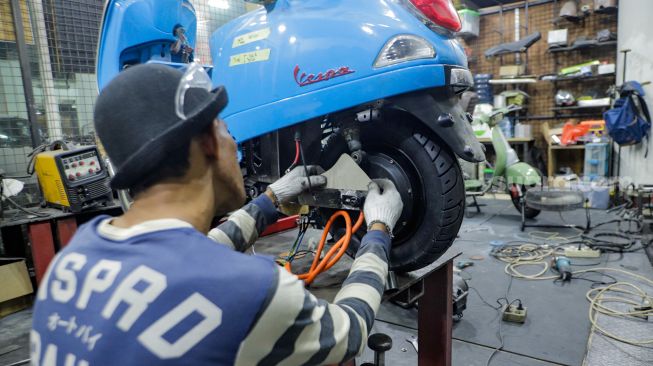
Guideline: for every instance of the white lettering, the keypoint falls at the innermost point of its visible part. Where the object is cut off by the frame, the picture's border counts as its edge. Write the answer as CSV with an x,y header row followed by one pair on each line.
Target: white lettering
x,y
65,284
71,359
99,279
50,357
34,347
152,337
138,301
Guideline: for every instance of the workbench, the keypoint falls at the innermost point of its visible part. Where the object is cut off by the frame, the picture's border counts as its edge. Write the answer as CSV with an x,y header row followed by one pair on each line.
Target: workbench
x,y
433,285
46,234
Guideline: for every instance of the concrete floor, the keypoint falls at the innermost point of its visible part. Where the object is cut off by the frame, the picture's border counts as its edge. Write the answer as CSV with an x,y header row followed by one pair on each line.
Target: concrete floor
x,y
557,328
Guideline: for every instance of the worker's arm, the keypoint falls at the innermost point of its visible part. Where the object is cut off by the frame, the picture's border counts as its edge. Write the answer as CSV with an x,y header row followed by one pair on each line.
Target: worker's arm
x,y
295,328
243,227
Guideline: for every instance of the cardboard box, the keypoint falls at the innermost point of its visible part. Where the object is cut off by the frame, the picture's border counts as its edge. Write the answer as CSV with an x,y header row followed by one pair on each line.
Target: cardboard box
x,y
15,288
510,71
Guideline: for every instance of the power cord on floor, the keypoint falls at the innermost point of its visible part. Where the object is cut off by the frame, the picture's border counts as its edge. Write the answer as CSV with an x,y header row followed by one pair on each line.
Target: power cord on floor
x,y
498,308
642,309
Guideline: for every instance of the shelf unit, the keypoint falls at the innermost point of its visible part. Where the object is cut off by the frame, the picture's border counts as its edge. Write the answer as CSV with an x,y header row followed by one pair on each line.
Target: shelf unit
x,y
580,107
580,78
582,48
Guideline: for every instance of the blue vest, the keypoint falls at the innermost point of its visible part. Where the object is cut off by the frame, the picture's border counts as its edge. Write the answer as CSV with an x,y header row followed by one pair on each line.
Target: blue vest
x,y
165,297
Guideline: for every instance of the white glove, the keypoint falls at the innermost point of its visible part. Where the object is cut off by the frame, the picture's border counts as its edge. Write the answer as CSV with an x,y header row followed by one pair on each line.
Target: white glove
x,y
291,185
383,204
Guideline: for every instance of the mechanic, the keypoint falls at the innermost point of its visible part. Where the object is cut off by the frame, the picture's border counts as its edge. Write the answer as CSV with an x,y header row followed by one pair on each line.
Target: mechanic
x,y
150,288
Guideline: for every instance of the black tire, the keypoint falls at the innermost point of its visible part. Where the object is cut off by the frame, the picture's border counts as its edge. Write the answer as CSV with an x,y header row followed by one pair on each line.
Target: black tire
x,y
529,212
408,154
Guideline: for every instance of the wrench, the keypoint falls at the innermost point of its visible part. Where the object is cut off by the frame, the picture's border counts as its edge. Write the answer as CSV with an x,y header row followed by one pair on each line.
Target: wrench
x,y
413,340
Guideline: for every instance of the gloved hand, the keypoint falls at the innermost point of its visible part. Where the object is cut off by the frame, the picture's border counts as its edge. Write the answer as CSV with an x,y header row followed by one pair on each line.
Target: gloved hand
x,y
291,185
383,204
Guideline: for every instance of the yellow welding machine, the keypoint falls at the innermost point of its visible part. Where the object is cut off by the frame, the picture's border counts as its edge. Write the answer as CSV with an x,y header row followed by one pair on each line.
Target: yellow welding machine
x,y
73,179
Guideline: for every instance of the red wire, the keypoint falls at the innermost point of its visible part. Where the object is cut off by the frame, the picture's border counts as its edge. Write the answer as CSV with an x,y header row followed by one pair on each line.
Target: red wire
x,y
296,161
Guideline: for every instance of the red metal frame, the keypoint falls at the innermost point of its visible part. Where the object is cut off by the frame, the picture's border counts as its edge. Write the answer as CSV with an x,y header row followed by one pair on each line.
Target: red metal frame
x,y
282,224
40,236
65,230
435,318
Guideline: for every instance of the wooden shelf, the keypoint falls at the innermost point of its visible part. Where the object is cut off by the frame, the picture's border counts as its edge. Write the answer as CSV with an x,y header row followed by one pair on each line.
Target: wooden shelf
x,y
516,140
568,147
586,47
578,107
581,78
512,81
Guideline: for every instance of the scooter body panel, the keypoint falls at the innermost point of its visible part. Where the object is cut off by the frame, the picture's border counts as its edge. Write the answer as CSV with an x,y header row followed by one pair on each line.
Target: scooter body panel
x,y
523,174
295,60
313,37
138,31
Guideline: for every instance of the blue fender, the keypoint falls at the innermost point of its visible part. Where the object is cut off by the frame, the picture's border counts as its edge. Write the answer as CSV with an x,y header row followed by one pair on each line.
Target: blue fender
x,y
297,60
312,37
135,32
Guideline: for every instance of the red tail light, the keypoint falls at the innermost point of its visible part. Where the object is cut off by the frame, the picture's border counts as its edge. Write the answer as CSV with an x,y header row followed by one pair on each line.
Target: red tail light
x,y
440,12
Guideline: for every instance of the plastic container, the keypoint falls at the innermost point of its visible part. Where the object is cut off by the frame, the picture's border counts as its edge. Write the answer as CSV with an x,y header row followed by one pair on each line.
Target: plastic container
x,y
471,22
596,160
506,127
597,194
523,130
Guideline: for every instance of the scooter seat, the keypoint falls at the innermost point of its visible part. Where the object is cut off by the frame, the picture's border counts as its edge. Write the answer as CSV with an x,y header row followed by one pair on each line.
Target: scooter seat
x,y
518,46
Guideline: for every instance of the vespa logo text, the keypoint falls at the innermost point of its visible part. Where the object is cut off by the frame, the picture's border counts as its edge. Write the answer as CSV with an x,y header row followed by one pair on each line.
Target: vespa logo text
x,y
303,79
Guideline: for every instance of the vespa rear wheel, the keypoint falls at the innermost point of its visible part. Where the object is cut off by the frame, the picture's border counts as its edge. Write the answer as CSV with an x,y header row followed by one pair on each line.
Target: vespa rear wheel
x,y
529,213
430,182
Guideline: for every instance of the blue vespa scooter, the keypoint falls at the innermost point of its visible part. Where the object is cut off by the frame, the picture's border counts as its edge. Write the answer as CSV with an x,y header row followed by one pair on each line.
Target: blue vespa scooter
x,y
377,79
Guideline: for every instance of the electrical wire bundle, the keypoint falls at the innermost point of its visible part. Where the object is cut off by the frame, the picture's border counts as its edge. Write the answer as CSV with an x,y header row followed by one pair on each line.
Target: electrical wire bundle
x,y
629,296
320,263
294,251
532,254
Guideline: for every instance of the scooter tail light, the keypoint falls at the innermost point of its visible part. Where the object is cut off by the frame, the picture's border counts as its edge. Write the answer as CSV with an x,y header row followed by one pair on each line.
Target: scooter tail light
x,y
402,48
440,12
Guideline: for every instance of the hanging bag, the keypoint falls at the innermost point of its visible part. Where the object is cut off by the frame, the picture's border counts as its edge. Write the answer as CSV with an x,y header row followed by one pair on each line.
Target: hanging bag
x,y
629,121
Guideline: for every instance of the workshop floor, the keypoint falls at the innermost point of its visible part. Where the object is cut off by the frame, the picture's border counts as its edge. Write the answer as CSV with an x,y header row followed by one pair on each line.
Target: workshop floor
x,y
557,327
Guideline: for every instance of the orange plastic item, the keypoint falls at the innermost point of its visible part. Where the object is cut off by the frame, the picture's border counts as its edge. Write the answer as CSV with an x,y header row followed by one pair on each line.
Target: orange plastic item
x,y
571,133
338,249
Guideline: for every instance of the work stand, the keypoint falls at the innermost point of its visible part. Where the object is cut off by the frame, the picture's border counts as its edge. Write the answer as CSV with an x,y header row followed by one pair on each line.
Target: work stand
x,y
585,229
432,287
46,234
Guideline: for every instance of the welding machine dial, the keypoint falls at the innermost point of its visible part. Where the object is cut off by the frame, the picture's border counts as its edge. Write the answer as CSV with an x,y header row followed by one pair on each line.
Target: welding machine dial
x,y
80,167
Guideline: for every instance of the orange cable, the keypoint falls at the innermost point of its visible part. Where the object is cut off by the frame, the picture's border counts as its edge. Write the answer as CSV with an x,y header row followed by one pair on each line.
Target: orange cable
x,y
338,249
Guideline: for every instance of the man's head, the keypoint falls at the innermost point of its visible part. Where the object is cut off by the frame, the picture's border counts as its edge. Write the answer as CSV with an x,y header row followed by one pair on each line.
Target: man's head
x,y
151,145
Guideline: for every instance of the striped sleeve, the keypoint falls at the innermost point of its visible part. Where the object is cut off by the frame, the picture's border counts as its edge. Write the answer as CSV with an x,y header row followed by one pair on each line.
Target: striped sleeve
x,y
243,227
296,328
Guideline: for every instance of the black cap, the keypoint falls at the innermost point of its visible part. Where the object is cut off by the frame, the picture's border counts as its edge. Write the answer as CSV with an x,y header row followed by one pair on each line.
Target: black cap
x,y
136,122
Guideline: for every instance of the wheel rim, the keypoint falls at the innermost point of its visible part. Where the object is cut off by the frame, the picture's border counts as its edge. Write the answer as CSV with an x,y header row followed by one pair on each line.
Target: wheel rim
x,y
392,163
